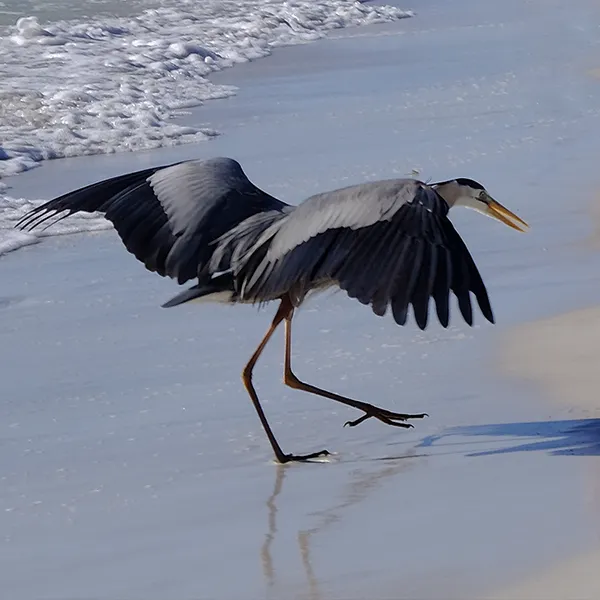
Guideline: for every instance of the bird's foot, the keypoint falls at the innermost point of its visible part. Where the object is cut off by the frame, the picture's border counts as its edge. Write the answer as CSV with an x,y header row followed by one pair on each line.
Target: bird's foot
x,y
385,416
286,458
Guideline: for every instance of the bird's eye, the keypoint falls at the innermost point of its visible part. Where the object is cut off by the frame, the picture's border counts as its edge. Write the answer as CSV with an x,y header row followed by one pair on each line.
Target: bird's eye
x,y
482,195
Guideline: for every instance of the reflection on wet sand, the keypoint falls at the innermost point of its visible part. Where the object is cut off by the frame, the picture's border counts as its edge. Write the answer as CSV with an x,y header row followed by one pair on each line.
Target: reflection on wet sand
x,y
362,484
265,551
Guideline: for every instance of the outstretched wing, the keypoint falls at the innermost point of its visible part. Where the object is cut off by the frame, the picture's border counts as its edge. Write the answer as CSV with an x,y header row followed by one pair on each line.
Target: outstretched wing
x,y
386,243
168,216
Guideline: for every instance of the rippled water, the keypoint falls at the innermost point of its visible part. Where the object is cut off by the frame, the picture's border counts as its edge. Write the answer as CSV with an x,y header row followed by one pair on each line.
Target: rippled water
x,y
103,81
11,10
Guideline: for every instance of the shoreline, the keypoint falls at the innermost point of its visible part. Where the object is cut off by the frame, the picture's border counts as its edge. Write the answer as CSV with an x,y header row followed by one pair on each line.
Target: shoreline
x,y
190,454
558,356
575,579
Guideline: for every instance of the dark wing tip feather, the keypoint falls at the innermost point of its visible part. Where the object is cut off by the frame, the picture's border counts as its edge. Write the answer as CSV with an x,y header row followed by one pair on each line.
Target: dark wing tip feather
x,y
481,294
168,216
91,198
470,277
465,307
43,213
399,311
436,264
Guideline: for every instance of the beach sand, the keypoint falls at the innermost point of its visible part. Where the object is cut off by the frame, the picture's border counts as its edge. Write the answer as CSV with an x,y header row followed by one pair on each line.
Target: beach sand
x,y
576,579
132,464
559,355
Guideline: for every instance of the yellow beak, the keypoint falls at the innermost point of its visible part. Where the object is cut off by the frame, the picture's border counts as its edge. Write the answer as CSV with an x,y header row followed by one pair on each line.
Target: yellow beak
x,y
502,214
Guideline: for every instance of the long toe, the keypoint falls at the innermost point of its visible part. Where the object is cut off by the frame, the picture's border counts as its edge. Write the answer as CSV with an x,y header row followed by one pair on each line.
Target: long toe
x,y
400,416
386,416
303,457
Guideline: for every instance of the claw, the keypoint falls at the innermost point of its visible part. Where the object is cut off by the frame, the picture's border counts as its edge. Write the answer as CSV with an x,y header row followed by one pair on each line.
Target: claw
x,y
358,421
387,417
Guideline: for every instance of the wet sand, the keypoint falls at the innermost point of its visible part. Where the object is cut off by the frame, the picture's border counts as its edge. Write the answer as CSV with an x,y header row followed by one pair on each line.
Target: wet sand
x,y
133,464
576,579
560,356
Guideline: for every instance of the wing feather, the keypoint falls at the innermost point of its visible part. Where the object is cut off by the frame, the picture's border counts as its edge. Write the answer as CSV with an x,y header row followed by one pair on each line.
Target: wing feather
x,y
168,216
443,279
374,269
382,294
422,290
409,254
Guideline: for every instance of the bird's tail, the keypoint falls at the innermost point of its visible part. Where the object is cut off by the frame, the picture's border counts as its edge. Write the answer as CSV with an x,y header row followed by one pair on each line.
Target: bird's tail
x,y
219,289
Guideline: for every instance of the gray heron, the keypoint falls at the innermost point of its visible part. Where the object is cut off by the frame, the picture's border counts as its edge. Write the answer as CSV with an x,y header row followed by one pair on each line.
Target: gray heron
x,y
388,243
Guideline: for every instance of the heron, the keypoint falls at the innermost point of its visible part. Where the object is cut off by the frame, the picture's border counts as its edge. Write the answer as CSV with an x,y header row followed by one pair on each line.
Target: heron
x,y
388,244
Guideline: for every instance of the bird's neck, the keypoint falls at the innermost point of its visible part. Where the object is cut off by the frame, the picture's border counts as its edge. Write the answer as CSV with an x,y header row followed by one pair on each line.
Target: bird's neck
x,y
451,192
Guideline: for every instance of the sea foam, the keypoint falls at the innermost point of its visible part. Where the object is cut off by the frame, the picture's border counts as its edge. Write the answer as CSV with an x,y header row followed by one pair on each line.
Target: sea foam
x,y
116,84
106,85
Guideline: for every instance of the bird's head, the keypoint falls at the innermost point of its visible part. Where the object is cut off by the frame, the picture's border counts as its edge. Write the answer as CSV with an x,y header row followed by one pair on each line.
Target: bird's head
x,y
469,193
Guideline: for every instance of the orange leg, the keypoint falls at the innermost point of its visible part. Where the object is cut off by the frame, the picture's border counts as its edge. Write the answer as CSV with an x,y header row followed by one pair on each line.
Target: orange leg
x,y
386,416
284,309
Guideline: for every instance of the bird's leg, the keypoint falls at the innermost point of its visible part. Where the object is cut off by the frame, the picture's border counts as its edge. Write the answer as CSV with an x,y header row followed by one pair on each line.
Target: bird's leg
x,y
282,311
385,416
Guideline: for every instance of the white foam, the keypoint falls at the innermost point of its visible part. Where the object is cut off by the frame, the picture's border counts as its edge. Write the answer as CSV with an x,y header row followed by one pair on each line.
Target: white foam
x,y
106,85
13,209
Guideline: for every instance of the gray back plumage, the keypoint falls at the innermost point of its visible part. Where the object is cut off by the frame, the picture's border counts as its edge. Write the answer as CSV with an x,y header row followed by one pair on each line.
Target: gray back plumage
x,y
386,243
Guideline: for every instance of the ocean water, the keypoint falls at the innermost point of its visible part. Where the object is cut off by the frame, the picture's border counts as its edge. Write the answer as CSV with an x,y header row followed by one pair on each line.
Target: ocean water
x,y
114,76
48,11
102,83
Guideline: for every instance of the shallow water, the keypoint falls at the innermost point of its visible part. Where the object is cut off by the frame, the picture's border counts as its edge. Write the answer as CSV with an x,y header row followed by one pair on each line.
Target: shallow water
x,y
127,424
134,466
11,10
114,82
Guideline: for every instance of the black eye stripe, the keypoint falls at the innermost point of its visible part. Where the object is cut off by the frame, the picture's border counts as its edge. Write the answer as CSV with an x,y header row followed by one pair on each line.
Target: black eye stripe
x,y
469,182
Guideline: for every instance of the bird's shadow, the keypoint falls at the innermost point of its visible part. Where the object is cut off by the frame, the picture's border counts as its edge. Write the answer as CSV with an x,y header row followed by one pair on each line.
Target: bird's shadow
x,y
571,437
